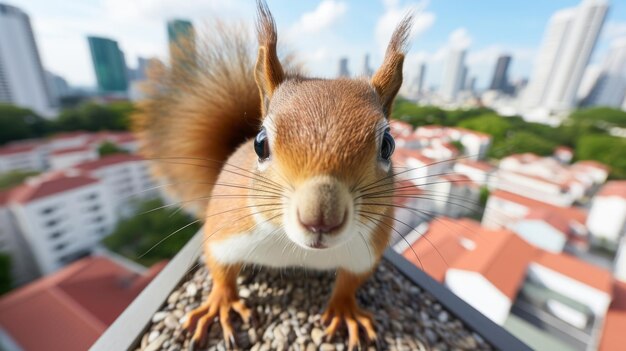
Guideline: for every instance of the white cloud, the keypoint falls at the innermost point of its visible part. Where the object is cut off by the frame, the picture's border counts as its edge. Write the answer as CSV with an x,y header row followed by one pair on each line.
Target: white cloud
x,y
459,39
327,13
394,13
614,30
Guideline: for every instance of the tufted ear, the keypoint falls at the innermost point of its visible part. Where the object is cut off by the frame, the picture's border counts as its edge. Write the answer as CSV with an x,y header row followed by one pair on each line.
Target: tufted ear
x,y
388,78
268,72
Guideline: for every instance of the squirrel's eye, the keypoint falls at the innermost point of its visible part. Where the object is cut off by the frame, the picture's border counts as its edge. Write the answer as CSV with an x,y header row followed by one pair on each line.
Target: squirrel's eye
x,y
387,146
261,146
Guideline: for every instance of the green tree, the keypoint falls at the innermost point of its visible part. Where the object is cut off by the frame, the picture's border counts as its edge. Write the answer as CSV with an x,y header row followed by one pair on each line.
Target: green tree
x,y
606,149
18,123
136,237
496,126
109,148
95,117
602,117
521,142
13,178
6,282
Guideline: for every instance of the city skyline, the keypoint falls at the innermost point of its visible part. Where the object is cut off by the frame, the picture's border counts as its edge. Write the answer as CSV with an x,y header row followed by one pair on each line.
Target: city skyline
x,y
313,30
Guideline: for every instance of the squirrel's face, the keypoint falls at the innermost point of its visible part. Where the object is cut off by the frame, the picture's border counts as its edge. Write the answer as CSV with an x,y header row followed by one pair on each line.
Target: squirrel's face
x,y
326,139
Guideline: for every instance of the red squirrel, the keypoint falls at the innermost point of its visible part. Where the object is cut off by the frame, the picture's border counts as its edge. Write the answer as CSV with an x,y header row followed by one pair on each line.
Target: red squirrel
x,y
278,161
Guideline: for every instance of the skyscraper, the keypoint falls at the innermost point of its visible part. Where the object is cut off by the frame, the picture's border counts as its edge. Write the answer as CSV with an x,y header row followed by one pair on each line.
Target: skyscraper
x,y
453,75
420,79
567,46
343,67
22,78
500,80
610,87
181,36
367,70
109,64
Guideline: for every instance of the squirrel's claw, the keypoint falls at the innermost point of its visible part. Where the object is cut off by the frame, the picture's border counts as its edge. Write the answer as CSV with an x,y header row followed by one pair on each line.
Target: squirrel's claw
x,y
353,318
199,320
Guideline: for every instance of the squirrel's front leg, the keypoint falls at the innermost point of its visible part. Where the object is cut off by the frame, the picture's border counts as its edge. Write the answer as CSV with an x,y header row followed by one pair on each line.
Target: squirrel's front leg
x,y
223,298
343,307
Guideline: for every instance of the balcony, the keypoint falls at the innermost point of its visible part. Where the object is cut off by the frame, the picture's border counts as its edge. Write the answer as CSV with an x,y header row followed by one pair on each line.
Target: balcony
x,y
412,311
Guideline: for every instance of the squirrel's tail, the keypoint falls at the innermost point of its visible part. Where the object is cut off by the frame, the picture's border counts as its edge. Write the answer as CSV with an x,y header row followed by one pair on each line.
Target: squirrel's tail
x,y
198,110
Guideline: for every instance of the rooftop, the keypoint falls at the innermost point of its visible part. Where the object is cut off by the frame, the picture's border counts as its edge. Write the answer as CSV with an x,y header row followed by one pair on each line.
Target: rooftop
x,y
84,298
615,321
577,269
47,185
411,310
614,188
107,161
571,213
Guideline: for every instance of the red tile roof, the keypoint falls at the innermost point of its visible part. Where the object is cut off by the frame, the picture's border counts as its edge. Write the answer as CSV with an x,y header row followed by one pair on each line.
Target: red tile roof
x,y
615,321
577,269
17,149
107,161
441,245
404,154
593,164
501,257
571,213
68,310
483,166
69,135
555,219
48,185
72,150
614,188
405,191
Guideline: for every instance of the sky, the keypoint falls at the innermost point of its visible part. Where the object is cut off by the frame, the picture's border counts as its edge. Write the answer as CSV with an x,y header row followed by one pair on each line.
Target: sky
x,y
319,32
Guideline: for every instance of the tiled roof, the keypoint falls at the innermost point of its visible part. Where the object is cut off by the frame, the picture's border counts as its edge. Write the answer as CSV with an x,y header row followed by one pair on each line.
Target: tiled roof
x,y
71,150
593,164
577,269
69,309
404,154
614,188
555,219
69,135
445,241
17,149
571,213
615,320
483,166
107,161
48,185
501,257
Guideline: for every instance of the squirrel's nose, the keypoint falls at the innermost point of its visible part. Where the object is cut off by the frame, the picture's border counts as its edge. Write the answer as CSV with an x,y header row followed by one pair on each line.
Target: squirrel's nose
x,y
320,225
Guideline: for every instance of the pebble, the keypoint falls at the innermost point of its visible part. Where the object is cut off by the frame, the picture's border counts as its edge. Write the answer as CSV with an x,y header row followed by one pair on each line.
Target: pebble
x,y
288,305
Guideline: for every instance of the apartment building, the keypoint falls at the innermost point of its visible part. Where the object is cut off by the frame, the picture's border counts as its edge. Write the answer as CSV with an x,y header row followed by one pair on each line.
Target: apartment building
x,y
607,216
25,156
61,216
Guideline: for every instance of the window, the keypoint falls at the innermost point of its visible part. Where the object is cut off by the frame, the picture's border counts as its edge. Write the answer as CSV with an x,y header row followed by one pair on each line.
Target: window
x,y
59,247
92,196
94,208
55,235
51,222
98,219
47,210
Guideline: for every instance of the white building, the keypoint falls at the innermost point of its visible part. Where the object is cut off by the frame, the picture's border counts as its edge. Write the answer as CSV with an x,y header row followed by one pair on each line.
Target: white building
x,y
543,228
495,270
12,244
22,78
610,87
66,158
478,171
567,46
61,216
28,156
453,75
125,177
607,217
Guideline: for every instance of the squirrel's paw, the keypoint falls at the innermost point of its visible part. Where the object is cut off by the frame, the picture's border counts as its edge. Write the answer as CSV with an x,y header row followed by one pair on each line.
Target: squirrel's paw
x,y
217,305
353,317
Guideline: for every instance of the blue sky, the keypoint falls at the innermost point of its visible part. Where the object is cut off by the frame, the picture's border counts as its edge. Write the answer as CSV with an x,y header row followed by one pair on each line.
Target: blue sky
x,y
319,31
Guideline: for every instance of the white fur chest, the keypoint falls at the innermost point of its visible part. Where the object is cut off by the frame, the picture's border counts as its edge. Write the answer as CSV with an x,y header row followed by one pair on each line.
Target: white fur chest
x,y
270,246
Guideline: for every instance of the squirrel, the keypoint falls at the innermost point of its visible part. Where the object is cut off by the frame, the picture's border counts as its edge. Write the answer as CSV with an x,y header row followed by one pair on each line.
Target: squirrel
x,y
280,163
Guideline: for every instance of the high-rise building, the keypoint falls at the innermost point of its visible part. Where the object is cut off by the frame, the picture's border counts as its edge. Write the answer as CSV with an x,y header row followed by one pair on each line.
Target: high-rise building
x,y
500,80
610,87
421,78
22,77
181,36
109,64
367,70
567,46
57,86
453,75
343,67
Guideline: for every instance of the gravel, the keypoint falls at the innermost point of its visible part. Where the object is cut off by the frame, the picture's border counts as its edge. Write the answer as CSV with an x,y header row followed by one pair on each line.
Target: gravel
x,y
288,303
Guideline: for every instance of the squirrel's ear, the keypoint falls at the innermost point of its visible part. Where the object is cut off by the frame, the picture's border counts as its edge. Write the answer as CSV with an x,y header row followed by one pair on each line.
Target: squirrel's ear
x,y
388,78
268,72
